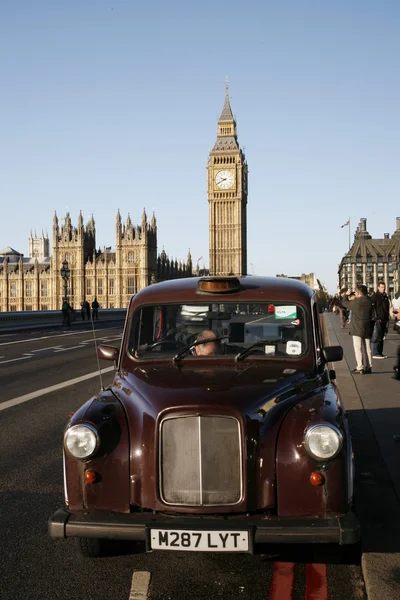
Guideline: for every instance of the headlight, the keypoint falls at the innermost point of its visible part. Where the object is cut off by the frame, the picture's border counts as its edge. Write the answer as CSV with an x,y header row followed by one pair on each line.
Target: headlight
x,y
81,440
323,441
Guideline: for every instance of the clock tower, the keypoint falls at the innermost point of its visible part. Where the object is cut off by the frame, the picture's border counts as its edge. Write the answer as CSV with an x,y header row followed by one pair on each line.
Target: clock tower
x,y
227,199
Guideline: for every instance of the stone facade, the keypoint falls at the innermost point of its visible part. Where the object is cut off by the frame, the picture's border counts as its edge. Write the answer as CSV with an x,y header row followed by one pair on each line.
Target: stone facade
x,y
227,199
309,278
35,283
371,260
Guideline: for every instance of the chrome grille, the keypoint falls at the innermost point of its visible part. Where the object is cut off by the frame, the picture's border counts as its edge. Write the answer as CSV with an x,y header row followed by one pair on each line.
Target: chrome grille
x,y
200,461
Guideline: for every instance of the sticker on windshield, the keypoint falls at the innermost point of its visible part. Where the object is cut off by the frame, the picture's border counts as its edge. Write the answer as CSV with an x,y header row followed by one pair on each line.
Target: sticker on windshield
x,y
269,350
285,312
293,348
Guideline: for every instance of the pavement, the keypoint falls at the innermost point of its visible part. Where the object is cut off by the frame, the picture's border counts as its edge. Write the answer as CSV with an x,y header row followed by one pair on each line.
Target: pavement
x,y
373,404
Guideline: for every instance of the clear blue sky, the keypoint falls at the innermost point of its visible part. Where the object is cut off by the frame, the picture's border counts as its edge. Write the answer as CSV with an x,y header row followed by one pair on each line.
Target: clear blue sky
x,y
114,104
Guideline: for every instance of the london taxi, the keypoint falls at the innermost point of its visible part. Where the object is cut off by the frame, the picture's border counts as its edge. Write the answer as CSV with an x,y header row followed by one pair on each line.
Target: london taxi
x,y
220,448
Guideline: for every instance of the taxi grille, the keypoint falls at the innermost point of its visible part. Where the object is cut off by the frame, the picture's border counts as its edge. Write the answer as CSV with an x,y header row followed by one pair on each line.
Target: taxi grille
x,y
200,461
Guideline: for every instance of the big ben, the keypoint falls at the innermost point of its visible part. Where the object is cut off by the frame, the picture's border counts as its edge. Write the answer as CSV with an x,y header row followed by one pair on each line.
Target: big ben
x,y
227,199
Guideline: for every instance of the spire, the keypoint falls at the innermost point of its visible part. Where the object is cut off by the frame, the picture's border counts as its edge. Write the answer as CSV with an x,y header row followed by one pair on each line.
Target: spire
x,y
118,218
153,221
80,220
226,135
226,114
144,216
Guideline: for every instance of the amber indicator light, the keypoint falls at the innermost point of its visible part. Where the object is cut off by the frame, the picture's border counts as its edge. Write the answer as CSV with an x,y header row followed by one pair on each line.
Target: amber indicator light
x,y
71,414
90,476
219,285
317,479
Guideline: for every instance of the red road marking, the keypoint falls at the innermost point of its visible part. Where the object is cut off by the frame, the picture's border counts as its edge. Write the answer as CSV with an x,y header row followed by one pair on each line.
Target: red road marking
x,y
316,582
282,581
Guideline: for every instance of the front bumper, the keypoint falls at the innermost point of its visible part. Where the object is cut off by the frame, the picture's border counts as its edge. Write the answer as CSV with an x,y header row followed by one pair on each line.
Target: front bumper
x,y
266,530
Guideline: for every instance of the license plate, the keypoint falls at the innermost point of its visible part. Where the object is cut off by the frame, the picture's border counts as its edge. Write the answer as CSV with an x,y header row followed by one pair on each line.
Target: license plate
x,y
203,541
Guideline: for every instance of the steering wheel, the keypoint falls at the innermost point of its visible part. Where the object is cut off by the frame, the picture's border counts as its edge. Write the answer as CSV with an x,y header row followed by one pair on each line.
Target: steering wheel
x,y
173,344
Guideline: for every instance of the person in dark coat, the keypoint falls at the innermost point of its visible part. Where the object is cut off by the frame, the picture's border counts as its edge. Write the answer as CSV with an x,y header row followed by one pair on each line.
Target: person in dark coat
x,y
343,311
361,326
381,307
95,310
87,309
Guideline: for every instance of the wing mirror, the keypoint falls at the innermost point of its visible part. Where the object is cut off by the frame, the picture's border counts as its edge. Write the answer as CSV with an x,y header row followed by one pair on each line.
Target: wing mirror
x,y
332,353
108,353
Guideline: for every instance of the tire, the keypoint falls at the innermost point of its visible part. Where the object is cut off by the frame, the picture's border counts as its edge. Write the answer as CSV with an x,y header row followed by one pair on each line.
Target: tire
x,y
92,547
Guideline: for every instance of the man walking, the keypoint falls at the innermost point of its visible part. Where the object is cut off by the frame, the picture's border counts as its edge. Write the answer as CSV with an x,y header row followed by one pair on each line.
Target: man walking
x,y
381,305
361,328
95,310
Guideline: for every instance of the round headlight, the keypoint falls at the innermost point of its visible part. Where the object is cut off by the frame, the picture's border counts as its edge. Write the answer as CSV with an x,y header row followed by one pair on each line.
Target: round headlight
x,y
323,441
81,440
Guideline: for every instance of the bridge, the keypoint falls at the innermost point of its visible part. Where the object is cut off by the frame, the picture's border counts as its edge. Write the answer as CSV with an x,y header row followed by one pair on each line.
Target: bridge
x,y
48,371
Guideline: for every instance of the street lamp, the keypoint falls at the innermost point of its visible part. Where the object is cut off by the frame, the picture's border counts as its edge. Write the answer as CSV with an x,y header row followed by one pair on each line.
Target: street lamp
x,y
65,273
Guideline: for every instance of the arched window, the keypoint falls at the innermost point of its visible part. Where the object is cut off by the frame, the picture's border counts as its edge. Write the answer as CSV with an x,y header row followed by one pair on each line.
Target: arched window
x,y
131,257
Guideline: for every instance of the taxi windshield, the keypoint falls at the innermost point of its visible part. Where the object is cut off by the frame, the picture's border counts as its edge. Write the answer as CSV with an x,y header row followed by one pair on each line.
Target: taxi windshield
x,y
262,330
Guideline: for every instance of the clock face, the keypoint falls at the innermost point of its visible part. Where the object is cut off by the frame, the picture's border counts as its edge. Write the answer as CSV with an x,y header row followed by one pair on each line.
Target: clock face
x,y
224,179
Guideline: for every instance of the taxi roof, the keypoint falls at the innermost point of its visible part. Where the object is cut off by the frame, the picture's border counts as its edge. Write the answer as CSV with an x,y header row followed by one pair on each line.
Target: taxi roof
x,y
252,288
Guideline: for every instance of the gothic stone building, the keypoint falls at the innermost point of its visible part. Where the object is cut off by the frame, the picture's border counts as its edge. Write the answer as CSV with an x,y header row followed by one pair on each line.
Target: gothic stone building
x,y
371,260
227,199
35,283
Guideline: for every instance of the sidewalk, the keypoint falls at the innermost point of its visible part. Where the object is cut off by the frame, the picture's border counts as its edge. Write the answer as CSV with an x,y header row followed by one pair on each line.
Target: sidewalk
x,y
373,402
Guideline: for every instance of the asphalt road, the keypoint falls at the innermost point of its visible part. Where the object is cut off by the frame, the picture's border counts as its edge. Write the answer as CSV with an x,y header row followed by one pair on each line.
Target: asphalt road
x,y
33,566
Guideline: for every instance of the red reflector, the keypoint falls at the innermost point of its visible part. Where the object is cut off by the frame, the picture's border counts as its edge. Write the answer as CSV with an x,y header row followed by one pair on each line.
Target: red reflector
x,y
271,308
71,414
90,476
317,479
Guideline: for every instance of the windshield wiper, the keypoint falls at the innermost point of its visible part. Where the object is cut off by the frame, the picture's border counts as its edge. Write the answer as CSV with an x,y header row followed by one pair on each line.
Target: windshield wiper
x,y
197,343
250,349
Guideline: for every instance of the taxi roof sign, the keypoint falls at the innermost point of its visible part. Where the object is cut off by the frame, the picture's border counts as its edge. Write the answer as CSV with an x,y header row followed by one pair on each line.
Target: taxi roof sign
x,y
219,285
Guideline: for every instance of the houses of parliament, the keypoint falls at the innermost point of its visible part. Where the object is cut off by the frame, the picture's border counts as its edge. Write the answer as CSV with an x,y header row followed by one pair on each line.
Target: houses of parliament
x,y
113,276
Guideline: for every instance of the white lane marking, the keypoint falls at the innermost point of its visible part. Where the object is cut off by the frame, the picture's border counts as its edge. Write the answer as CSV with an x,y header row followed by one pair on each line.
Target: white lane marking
x,y
69,348
140,585
3,362
48,348
47,337
52,388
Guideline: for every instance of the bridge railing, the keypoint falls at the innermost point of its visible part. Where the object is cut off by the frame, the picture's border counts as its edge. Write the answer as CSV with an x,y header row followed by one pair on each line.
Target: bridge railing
x,y
38,318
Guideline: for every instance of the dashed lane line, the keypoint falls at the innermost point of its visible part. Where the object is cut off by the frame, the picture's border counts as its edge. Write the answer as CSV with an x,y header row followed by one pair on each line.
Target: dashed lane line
x,y
69,348
52,388
140,585
48,348
59,334
10,360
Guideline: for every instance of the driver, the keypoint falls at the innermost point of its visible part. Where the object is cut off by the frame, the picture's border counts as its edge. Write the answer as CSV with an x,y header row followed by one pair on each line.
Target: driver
x,y
208,349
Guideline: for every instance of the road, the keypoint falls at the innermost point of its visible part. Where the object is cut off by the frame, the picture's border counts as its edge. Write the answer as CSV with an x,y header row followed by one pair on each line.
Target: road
x,y
33,566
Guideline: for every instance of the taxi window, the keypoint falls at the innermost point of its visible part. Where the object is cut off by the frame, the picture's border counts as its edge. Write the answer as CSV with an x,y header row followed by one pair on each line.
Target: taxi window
x,y
275,329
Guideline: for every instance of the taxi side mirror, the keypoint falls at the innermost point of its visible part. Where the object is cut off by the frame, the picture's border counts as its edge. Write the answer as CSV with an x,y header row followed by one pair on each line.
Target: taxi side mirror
x,y
108,353
332,353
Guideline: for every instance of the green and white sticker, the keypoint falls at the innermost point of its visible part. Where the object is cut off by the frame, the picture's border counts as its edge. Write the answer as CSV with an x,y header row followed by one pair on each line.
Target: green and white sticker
x,y
285,312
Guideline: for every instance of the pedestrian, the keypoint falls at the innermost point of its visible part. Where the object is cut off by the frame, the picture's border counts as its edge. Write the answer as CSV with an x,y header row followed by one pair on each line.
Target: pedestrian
x,y
87,309
342,309
66,312
95,310
360,327
381,308
83,311
396,314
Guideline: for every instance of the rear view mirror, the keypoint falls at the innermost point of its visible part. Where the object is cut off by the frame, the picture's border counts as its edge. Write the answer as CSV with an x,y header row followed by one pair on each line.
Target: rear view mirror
x,y
332,353
108,353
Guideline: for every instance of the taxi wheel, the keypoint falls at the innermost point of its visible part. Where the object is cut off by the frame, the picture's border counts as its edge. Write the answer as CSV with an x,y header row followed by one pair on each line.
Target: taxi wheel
x,y
92,547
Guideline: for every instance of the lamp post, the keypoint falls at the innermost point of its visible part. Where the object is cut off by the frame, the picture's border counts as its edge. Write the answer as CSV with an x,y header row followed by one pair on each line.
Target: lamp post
x,y
65,273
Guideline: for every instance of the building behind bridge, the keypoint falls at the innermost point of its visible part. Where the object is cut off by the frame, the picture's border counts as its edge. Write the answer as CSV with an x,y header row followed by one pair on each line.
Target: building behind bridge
x,y
35,283
372,260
